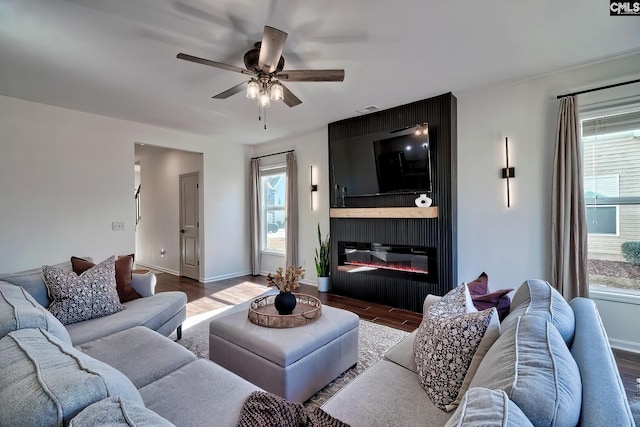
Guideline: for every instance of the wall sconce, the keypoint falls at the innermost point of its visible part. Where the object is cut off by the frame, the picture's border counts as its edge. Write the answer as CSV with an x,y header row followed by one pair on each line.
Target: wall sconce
x,y
508,172
314,188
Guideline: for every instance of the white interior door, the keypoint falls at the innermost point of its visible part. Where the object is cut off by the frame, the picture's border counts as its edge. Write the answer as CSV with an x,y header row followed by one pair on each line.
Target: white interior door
x,y
189,226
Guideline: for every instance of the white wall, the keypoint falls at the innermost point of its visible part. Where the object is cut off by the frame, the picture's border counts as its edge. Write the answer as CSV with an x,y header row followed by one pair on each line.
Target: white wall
x,y
158,230
66,175
311,150
513,244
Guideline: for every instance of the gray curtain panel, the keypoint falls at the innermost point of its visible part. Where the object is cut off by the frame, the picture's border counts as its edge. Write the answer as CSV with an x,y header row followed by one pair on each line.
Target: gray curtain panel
x,y
292,211
255,216
569,270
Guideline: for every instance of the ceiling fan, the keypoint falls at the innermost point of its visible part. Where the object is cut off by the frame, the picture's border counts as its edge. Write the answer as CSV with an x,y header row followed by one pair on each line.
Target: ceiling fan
x,y
265,64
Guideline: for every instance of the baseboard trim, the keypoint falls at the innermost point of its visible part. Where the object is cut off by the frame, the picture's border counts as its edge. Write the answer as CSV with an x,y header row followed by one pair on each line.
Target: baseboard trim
x,y
158,268
225,276
629,346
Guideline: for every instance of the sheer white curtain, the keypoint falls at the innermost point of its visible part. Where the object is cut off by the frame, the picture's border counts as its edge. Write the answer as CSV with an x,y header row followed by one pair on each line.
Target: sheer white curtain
x,y
255,216
569,270
291,207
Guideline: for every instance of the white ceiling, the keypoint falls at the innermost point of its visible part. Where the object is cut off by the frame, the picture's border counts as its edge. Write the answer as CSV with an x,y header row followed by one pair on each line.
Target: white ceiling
x,y
117,58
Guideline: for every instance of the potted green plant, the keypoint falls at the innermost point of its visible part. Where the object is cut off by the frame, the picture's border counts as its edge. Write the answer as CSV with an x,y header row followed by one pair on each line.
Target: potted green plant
x,y
323,267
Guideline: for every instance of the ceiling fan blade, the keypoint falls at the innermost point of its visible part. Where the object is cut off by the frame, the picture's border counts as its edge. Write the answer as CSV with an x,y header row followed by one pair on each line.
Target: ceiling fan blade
x,y
211,63
289,98
229,92
271,49
311,75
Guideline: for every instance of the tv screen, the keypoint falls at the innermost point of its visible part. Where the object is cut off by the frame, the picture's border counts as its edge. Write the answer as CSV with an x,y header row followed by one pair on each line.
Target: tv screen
x,y
390,163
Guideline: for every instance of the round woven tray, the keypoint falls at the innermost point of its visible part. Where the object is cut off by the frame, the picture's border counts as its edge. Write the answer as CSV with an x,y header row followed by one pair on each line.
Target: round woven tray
x,y
262,312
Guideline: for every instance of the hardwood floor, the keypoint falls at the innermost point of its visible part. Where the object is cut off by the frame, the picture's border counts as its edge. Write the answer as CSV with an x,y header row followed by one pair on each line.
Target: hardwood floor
x,y
204,297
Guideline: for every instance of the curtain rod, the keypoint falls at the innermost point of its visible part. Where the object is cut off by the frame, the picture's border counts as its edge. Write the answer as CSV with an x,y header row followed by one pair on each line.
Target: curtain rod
x,y
599,88
274,154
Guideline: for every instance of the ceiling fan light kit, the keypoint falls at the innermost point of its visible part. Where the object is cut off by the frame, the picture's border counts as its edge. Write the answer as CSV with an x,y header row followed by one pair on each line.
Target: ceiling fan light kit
x,y
253,89
265,64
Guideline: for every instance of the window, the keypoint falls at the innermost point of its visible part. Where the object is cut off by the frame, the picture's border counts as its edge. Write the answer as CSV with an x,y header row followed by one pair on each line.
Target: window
x,y
273,184
611,155
601,219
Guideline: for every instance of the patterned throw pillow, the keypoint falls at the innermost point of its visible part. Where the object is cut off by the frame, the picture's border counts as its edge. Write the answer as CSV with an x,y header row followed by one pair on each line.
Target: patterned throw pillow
x,y
76,298
124,268
450,343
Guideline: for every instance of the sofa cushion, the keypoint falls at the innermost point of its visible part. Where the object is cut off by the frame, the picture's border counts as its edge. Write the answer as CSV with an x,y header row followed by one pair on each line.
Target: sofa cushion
x,y
153,312
130,351
539,298
198,394
123,271
76,298
116,412
44,381
385,394
18,310
533,365
402,353
487,408
450,343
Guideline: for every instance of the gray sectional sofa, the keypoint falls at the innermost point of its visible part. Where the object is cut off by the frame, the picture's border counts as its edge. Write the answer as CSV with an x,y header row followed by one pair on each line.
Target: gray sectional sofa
x,y
163,312
138,376
551,365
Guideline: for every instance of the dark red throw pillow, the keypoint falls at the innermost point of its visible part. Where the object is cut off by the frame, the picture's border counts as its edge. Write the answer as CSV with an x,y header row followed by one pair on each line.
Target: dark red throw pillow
x,y
123,267
497,299
480,286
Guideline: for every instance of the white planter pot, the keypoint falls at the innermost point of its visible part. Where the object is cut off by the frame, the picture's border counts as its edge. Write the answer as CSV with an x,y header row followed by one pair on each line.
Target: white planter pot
x,y
323,284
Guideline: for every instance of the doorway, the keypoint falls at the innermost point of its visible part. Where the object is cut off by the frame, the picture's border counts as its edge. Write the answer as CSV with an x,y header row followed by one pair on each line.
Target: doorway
x,y
159,244
190,225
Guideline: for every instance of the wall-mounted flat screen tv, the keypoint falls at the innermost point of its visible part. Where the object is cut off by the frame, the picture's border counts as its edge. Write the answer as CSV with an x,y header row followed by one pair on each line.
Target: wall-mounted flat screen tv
x,y
391,163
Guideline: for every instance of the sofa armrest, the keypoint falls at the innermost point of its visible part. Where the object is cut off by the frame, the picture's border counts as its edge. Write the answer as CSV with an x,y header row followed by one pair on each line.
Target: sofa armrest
x,y
144,284
604,400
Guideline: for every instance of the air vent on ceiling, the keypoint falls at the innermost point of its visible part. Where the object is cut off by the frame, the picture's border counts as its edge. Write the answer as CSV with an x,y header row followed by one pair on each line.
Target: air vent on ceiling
x,y
367,110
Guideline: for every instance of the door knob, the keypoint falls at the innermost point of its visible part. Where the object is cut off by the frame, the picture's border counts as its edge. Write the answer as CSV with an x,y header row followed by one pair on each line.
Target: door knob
x,y
182,231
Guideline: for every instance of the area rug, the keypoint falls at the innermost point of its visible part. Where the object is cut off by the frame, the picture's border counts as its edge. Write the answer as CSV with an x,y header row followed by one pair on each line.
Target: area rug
x,y
373,342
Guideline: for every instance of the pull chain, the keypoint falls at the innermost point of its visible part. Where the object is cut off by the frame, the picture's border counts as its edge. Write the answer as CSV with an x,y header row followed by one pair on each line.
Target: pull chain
x,y
260,110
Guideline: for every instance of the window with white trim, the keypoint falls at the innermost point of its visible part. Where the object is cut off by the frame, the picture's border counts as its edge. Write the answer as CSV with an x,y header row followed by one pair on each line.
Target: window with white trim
x,y
273,184
611,156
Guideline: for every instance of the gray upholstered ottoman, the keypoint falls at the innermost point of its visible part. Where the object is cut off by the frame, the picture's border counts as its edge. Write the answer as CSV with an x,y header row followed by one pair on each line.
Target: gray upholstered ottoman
x,y
293,363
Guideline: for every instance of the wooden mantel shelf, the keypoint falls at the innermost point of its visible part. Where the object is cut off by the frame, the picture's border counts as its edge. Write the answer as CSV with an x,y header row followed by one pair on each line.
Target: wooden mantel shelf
x,y
406,212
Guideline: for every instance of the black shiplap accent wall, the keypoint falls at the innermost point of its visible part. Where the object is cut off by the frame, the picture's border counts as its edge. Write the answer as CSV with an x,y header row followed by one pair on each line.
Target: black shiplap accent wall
x,y
441,114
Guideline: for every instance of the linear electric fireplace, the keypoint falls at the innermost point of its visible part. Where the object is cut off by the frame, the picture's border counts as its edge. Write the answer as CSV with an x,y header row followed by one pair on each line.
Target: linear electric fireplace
x,y
401,261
